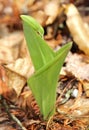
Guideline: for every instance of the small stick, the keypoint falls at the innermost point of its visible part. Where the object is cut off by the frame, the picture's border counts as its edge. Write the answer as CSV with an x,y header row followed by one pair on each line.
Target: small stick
x,y
4,103
64,90
80,90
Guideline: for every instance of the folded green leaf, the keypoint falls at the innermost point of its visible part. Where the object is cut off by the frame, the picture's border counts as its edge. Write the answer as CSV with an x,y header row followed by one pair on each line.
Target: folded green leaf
x,y
34,24
40,52
47,65
44,82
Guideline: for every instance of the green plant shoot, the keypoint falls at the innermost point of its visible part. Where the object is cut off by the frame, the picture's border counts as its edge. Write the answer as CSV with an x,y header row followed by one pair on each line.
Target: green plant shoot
x,y
47,64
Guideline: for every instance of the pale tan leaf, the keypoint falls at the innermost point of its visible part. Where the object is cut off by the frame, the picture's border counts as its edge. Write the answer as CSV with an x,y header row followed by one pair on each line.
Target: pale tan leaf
x,y
51,10
9,47
22,66
15,81
77,28
81,109
78,65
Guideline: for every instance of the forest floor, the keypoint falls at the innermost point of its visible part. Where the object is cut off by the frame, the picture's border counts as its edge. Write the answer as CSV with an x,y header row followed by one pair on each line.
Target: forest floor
x,y
63,21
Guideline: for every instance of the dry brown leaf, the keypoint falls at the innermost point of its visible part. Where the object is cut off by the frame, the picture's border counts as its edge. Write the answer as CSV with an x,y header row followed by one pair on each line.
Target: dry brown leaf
x,y
8,124
51,10
66,122
6,127
9,47
15,82
81,109
75,113
77,65
22,66
27,102
24,52
4,88
40,16
77,28
86,87
23,4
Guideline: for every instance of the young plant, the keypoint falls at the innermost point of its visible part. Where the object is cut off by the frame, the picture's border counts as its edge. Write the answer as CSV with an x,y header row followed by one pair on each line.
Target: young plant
x,y
47,64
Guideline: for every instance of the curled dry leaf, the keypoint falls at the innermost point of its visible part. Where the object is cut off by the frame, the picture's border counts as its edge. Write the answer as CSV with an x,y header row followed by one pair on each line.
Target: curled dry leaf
x,y
22,66
16,82
9,47
77,28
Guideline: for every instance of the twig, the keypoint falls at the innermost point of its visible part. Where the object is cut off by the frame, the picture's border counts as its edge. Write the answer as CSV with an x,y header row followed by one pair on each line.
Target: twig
x,y
74,106
64,90
4,103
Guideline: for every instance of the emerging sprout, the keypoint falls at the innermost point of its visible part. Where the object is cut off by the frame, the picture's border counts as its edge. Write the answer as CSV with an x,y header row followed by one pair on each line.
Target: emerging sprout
x,y
47,64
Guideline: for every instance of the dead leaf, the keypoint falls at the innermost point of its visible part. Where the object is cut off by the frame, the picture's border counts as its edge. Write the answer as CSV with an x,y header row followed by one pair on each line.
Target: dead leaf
x,y
40,16
82,108
22,66
65,122
27,102
78,66
4,88
6,127
9,47
51,10
15,82
77,28
86,87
